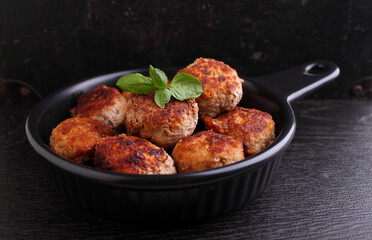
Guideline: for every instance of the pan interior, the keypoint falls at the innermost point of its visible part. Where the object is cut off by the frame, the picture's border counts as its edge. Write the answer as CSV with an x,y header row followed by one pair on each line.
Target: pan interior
x,y
55,108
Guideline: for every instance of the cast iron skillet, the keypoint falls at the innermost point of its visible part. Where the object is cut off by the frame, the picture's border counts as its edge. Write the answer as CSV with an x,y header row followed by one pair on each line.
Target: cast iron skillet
x,y
179,198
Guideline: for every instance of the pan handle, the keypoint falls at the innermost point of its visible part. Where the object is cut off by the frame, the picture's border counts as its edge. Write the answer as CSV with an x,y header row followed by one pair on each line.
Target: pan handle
x,y
296,82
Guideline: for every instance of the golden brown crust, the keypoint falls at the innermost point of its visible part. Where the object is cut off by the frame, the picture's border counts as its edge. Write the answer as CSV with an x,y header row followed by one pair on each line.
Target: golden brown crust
x,y
221,84
132,155
75,138
206,150
103,103
256,129
163,127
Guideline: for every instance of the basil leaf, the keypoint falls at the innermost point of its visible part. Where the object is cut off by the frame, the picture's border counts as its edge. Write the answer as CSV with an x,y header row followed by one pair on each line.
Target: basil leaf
x,y
185,86
136,83
162,96
158,77
182,87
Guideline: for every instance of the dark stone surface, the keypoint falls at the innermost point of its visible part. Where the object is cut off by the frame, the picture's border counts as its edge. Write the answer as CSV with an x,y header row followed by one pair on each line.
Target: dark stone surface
x,y
322,189
52,43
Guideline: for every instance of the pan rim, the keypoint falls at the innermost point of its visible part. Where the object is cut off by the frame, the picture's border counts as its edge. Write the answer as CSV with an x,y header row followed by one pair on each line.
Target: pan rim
x,y
156,182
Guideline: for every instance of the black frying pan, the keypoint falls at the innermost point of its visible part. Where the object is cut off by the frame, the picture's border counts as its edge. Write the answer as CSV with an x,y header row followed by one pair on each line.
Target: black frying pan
x,y
179,198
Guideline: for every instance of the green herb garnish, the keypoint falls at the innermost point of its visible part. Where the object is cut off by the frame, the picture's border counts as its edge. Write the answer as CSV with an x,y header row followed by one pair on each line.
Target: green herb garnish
x,y
183,86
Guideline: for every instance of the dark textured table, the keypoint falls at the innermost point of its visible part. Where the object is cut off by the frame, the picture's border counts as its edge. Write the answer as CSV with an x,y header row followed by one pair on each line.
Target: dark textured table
x,y
322,189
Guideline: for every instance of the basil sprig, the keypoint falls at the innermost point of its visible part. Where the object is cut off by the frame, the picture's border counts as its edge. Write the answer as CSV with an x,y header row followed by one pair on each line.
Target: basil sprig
x,y
183,86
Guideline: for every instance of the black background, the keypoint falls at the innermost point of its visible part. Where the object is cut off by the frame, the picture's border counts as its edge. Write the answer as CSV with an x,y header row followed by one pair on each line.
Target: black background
x,y
52,43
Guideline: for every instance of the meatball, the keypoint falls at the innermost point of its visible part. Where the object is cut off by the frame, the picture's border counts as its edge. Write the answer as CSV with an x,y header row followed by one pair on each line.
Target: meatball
x,y
256,129
103,103
221,85
206,150
132,155
76,138
163,127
